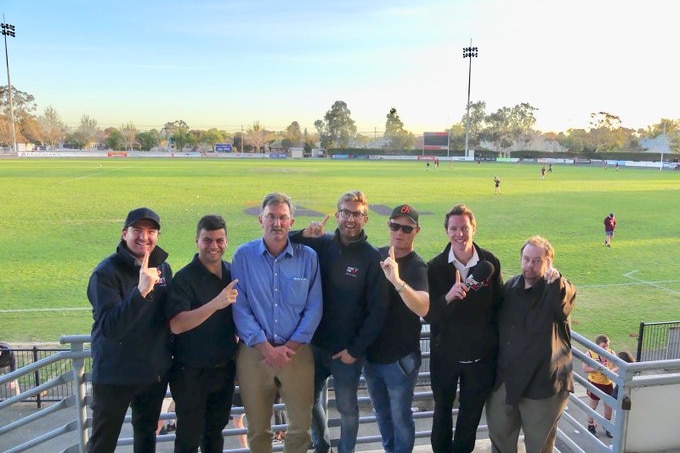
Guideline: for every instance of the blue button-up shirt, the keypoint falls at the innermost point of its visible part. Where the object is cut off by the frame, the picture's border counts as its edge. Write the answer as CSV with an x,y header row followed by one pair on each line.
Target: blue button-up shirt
x,y
279,298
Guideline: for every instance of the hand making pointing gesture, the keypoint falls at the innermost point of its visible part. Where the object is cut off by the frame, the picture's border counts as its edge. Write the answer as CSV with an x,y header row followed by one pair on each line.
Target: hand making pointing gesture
x,y
458,290
391,268
148,276
227,296
315,228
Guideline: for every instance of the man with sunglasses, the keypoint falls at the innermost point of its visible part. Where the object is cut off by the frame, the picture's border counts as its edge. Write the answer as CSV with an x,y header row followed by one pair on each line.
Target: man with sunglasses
x,y
354,309
393,360
464,338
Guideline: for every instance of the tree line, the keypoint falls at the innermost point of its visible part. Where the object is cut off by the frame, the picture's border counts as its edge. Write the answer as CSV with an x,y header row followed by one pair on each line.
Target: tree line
x,y
505,130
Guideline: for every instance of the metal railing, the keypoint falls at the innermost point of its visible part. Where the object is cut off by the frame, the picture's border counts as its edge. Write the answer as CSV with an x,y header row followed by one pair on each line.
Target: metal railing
x,y
572,436
658,341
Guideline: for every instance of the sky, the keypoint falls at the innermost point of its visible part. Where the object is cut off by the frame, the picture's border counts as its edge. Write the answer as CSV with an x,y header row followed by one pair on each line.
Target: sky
x,y
228,64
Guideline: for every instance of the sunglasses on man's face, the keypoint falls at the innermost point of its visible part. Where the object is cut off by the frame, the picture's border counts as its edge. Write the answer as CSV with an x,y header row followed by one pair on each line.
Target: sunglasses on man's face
x,y
408,229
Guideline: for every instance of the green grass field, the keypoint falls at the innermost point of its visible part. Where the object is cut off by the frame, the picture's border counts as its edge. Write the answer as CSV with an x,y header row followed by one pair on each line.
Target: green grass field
x,y
60,217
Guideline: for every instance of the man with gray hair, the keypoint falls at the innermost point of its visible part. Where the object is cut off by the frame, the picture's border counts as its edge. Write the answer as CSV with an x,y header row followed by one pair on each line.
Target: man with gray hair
x,y
276,313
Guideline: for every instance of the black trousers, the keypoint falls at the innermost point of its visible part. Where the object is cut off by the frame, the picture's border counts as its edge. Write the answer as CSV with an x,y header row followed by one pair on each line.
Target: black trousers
x,y
203,398
109,405
476,382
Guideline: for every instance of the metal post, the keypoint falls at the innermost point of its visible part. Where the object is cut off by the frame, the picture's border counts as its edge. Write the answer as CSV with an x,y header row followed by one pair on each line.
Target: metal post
x,y
8,30
468,52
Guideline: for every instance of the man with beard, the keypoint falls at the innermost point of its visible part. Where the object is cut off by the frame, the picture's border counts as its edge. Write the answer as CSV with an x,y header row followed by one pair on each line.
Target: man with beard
x,y
534,359
354,309
277,311
130,336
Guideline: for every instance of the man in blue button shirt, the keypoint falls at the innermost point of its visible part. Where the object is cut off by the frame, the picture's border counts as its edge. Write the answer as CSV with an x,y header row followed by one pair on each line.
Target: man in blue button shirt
x,y
278,309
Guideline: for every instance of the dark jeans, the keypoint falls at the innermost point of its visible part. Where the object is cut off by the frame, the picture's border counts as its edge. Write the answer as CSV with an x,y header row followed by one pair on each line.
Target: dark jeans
x,y
203,399
476,381
109,405
345,385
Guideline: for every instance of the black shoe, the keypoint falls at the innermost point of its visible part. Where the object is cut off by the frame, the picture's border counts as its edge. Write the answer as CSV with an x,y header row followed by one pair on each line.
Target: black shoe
x,y
608,433
592,430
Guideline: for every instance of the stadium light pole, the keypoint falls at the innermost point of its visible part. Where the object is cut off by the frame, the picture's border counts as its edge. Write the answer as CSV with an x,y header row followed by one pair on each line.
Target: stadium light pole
x,y
8,30
468,52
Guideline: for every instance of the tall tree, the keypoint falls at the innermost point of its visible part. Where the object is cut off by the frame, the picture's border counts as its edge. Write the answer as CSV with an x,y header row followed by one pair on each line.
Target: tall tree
x,y
149,139
605,131
477,123
128,134
213,136
53,129
396,136
24,117
293,136
255,136
337,128
177,132
114,139
89,131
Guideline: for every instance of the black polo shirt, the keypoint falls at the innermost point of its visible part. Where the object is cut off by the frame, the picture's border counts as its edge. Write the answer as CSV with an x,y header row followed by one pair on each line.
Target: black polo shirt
x,y
213,342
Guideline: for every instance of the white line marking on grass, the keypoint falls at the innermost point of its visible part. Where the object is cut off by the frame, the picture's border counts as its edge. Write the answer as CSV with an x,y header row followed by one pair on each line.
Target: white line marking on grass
x,y
82,177
35,310
639,283
654,284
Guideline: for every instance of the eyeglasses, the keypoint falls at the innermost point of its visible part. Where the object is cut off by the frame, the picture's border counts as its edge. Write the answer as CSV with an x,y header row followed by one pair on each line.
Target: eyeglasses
x,y
345,214
271,218
408,229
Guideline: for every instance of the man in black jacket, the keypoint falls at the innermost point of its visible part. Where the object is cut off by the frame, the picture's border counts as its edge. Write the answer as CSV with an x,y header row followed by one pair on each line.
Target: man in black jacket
x,y
354,309
131,352
463,332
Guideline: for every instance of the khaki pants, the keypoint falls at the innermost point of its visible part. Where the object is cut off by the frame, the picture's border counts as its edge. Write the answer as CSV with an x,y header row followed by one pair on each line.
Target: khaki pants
x,y
537,418
259,384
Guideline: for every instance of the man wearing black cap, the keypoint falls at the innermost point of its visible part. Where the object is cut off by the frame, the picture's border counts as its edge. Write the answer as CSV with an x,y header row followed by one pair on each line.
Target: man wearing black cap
x,y
393,360
130,336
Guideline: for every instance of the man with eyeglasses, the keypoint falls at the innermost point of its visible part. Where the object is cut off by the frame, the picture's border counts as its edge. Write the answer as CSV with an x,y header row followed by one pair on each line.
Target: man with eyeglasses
x,y
534,374
277,311
354,310
131,350
464,339
393,360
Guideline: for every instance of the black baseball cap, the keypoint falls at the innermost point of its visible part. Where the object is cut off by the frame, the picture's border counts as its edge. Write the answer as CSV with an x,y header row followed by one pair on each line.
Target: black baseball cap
x,y
404,210
142,214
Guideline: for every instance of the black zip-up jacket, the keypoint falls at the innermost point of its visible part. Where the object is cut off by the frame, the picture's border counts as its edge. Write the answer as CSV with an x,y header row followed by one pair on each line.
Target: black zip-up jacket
x,y
354,293
463,330
131,341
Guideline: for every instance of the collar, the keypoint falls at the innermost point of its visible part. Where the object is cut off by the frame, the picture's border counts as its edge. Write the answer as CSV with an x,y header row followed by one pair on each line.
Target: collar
x,y
262,249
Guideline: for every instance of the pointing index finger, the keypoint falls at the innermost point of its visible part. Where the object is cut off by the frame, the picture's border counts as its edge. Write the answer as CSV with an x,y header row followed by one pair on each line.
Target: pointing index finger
x,y
392,252
457,276
231,284
325,219
145,260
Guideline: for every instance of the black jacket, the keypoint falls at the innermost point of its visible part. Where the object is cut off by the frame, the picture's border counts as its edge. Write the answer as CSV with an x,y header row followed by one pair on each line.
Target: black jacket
x,y
131,342
464,329
354,293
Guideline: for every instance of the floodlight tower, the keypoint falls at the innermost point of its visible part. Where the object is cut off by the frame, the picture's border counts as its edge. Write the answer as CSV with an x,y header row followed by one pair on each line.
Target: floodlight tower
x,y
8,30
468,52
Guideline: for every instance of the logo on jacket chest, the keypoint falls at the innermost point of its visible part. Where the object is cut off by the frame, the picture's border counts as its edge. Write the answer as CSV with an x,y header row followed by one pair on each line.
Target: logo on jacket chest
x,y
352,271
